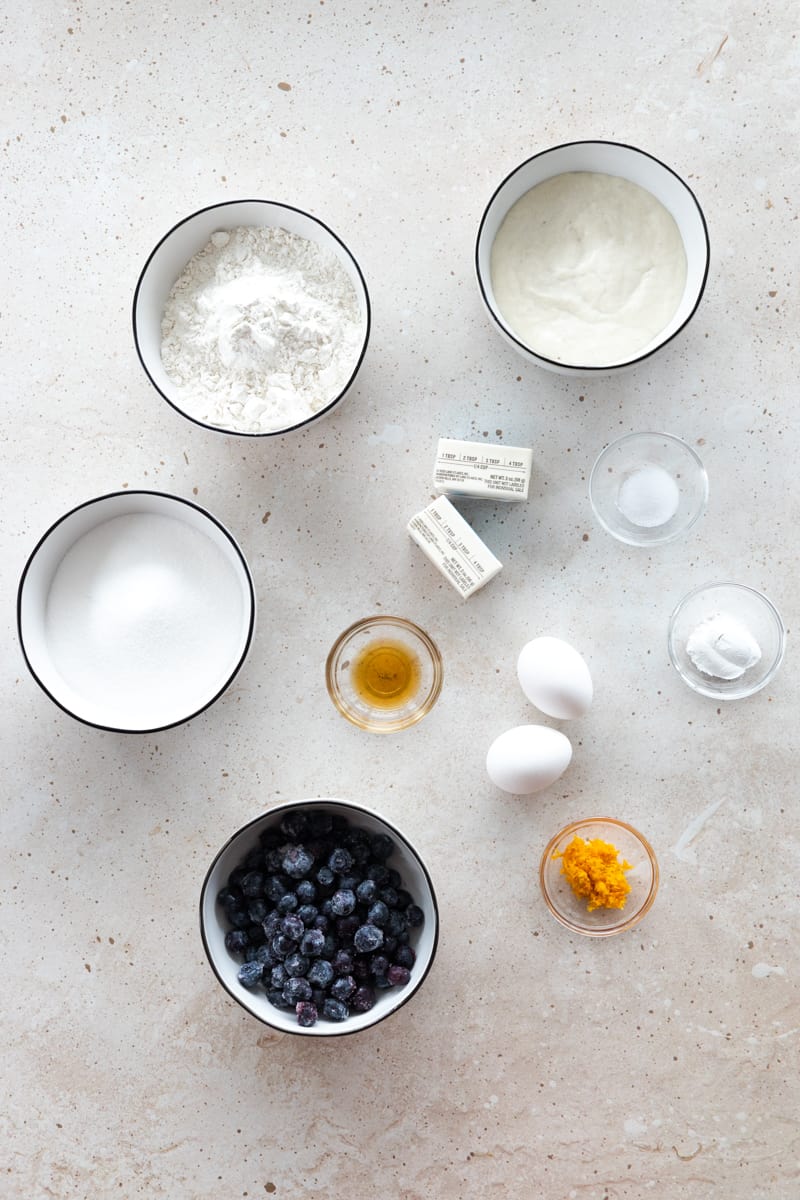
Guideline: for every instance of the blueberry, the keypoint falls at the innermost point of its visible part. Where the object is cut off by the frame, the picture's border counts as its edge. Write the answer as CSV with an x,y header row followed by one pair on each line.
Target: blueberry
x,y
297,862
381,847
363,999
367,891
379,964
257,911
396,924
278,976
320,973
250,973
306,1013
329,947
341,860
296,964
404,956
390,944
277,886
389,896
294,825
253,884
380,981
343,987
325,878
230,898
322,923
276,997
343,902
296,989
238,918
273,860
320,822
378,914
398,976
292,927
271,924
334,1010
326,908
282,945
312,943
414,915
307,893
346,928
287,902
307,914
349,882
367,938
342,962
265,956
236,941
378,872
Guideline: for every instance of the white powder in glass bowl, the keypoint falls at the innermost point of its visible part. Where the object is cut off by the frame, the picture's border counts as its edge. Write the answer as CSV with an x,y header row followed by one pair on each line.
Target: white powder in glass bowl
x,y
261,330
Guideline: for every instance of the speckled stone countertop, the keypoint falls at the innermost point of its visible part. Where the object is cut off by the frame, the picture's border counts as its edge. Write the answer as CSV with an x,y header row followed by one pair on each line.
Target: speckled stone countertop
x,y
533,1063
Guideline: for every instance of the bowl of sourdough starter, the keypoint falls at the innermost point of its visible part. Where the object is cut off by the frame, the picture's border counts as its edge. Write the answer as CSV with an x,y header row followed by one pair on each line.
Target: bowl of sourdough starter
x,y
591,257
135,611
251,318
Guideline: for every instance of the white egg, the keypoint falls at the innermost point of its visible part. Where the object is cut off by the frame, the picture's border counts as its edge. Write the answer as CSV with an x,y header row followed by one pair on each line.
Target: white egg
x,y
528,758
555,678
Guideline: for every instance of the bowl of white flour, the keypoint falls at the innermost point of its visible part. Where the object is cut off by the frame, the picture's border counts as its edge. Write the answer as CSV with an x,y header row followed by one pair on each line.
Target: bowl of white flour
x,y
252,318
135,611
591,257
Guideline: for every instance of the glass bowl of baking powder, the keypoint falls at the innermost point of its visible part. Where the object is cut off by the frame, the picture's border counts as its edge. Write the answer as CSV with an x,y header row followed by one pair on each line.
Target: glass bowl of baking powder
x,y
251,318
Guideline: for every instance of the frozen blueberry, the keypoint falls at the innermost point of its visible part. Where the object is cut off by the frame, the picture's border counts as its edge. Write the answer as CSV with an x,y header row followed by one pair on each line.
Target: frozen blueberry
x,y
276,997
250,973
326,908
380,981
282,945
378,914
238,918
363,999
257,911
404,956
320,973
367,891
307,914
381,847
341,860
396,923
307,893
398,976
312,943
265,956
236,876
293,927
278,976
349,882
296,989
414,915
287,902
294,825
346,928
389,896
326,878
342,962
271,923
329,947
230,898
273,860
334,1010
236,941
320,822
343,902
367,938
343,987
322,923
297,862
306,1013
277,886
253,884
295,964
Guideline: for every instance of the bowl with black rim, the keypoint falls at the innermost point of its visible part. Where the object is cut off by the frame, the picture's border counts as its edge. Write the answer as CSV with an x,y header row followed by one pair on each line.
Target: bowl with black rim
x,y
604,158
232,902
170,256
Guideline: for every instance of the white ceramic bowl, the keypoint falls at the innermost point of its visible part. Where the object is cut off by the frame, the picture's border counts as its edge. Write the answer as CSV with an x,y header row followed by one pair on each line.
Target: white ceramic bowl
x,y
758,615
214,923
98,578
609,158
187,238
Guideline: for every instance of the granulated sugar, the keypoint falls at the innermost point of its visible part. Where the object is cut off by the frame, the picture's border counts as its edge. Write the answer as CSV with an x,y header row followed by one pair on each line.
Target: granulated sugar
x,y
145,619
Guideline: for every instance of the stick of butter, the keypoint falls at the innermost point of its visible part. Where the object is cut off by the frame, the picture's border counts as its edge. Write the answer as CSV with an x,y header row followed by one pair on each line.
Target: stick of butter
x,y
453,547
485,472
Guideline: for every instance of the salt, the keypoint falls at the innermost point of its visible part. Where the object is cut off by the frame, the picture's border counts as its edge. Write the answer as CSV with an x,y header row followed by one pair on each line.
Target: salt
x,y
648,497
145,620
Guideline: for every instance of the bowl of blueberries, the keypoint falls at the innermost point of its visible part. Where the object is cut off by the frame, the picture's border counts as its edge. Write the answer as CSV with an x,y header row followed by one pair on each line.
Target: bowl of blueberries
x,y
319,917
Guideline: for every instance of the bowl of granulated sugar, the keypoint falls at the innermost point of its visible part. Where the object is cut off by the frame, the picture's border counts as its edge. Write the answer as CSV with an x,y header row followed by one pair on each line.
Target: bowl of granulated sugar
x,y
251,318
135,611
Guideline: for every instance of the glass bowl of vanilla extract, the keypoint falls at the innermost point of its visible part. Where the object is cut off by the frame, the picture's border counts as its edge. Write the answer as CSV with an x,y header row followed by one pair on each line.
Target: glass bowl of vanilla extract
x,y
384,674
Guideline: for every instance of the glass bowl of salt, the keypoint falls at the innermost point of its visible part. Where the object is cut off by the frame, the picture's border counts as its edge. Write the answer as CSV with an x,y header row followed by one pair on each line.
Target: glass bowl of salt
x,y
648,488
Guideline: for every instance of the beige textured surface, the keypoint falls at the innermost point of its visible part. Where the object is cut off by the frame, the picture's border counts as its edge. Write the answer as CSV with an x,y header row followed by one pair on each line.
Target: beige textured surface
x,y
532,1064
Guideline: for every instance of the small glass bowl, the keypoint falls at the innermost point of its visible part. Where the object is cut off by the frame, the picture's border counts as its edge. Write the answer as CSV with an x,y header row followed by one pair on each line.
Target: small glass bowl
x,y
629,454
571,910
356,707
756,613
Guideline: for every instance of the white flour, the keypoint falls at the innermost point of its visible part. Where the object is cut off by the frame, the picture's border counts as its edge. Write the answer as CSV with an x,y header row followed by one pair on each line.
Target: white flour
x,y
261,330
